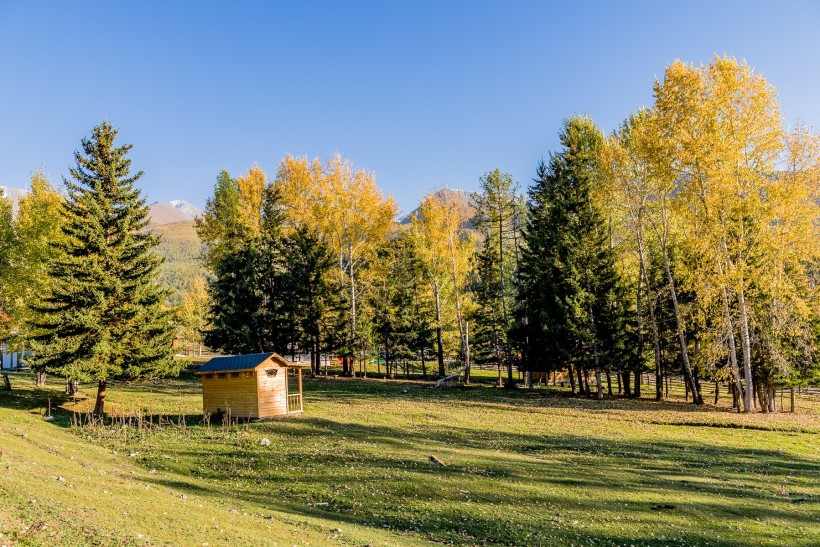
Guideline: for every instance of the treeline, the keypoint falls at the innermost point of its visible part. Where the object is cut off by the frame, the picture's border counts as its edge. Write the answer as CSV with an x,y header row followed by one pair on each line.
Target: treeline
x,y
683,243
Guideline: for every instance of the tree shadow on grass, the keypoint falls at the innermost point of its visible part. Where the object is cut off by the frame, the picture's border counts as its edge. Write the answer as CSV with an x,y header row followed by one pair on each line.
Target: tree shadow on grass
x,y
381,476
497,486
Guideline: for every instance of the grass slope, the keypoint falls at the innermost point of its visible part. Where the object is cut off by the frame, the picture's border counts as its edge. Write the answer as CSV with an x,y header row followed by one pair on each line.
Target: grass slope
x,y
60,489
522,468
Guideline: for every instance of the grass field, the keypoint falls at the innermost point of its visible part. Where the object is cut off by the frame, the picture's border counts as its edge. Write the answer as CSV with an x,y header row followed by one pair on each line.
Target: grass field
x,y
523,468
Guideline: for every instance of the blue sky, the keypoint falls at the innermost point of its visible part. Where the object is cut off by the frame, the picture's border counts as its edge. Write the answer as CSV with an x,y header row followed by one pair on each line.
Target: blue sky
x,y
425,94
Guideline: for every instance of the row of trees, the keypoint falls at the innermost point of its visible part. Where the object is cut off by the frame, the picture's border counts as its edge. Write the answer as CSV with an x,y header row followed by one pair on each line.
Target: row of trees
x,y
314,262
684,242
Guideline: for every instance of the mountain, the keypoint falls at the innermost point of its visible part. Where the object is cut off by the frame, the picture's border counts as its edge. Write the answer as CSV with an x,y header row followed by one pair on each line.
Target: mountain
x,y
180,244
464,201
190,210
181,247
165,213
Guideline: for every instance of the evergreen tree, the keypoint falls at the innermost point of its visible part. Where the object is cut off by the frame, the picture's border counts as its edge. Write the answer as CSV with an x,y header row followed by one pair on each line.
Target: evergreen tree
x,y
103,318
489,335
219,227
497,221
249,311
310,297
571,293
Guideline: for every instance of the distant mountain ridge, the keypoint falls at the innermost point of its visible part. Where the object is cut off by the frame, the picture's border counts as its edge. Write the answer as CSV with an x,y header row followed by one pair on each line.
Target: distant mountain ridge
x,y
464,200
191,210
175,211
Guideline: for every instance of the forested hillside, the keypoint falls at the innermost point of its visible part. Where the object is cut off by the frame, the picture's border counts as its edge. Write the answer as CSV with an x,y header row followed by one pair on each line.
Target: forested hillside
x,y
181,247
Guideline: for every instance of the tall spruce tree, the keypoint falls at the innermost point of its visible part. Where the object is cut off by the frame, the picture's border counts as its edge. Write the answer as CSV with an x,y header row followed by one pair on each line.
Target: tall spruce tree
x,y
249,305
496,220
104,318
571,293
309,294
488,342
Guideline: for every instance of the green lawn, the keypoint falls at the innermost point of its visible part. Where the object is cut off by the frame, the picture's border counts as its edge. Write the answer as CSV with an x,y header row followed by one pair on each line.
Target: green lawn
x,y
521,468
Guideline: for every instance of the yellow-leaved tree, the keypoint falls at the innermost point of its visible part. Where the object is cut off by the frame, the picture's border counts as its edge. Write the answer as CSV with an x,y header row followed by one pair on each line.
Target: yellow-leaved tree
x,y
445,250
723,144
351,214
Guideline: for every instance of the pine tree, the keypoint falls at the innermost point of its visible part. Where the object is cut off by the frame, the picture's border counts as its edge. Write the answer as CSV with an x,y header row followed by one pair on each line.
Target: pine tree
x,y
489,335
496,220
219,227
249,311
103,318
311,298
571,294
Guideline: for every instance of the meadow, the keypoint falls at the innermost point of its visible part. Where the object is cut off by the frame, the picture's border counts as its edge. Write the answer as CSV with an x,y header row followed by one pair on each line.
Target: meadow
x,y
514,467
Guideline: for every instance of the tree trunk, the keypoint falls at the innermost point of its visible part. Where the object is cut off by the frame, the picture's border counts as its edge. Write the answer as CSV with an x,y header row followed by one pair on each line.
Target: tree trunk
x,y
352,295
571,379
730,336
41,378
457,294
687,369
609,384
581,390
586,383
656,347
639,309
745,344
773,399
625,377
99,406
717,391
620,386
508,355
439,341
423,366
467,363
636,392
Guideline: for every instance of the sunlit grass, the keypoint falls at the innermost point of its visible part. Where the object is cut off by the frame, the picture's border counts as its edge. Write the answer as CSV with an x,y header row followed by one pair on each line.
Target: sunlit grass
x,y
521,467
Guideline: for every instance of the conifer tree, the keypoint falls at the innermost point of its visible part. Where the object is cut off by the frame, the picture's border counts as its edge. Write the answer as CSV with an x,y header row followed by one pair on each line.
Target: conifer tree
x,y
489,336
249,308
309,295
496,220
571,297
103,318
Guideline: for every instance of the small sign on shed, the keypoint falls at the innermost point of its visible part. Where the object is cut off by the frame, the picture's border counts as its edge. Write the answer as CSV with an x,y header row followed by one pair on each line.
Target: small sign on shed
x,y
251,386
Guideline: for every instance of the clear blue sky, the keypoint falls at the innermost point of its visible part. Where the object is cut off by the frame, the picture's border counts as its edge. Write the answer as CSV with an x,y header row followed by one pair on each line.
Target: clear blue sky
x,y
424,94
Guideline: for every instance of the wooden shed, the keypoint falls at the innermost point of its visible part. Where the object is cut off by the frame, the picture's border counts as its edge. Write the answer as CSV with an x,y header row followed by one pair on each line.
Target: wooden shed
x,y
259,385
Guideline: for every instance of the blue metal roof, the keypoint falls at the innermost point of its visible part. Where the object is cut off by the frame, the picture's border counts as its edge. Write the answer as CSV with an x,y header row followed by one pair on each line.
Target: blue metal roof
x,y
234,362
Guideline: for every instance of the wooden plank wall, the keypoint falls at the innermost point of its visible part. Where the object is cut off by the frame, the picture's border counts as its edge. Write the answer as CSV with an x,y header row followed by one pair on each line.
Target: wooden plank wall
x,y
237,393
272,391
